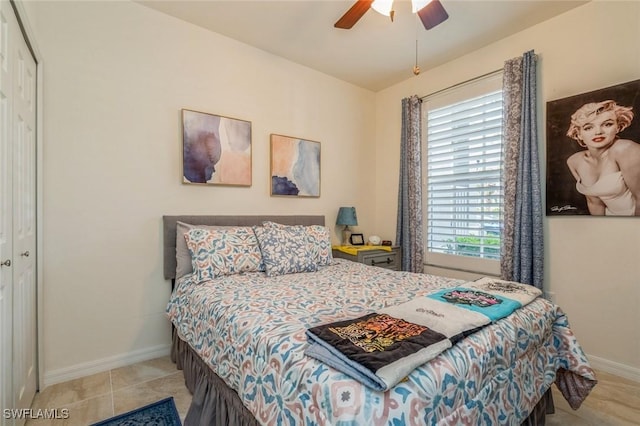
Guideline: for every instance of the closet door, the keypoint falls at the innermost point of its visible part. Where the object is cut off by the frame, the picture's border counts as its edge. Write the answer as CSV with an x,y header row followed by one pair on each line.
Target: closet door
x,y
18,356
24,224
6,216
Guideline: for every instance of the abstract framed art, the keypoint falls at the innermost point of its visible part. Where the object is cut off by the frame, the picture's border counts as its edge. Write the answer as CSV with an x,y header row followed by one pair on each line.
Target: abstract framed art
x,y
295,167
216,150
593,153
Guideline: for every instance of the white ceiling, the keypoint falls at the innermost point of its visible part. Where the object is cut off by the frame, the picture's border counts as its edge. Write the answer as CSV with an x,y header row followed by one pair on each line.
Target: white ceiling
x,y
376,53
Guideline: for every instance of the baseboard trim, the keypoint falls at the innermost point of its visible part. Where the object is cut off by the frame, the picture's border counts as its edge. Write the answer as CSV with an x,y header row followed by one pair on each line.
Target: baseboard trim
x,y
104,364
612,367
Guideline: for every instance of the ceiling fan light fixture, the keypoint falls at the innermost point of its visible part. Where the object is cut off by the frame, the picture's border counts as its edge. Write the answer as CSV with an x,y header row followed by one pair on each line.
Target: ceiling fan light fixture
x,y
431,12
383,7
417,5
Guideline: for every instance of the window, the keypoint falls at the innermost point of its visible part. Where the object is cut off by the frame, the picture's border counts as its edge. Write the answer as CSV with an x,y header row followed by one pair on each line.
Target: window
x,y
463,185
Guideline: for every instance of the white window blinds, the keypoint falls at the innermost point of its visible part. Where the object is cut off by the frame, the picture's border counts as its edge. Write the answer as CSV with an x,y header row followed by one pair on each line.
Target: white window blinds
x,y
463,175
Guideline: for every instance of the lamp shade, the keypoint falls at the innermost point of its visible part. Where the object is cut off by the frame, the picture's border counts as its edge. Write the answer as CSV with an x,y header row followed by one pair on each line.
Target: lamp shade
x,y
347,216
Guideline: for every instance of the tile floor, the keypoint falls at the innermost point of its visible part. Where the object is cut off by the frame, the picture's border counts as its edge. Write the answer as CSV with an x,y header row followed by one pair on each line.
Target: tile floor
x,y
614,401
103,395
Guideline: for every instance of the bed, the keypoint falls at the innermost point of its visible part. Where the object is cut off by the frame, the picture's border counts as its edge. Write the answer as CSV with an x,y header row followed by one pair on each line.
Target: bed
x,y
240,340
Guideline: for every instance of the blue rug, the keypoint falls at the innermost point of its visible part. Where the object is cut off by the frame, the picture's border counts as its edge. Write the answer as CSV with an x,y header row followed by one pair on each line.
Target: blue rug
x,y
161,413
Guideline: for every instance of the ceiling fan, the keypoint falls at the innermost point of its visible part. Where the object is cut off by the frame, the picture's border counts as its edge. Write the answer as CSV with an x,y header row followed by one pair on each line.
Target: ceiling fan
x,y
431,13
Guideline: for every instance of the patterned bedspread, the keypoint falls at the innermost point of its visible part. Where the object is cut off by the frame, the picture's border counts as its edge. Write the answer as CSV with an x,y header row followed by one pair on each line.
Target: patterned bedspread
x,y
250,330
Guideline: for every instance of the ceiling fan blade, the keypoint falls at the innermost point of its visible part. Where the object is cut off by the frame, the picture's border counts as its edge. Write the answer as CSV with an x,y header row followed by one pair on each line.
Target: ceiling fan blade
x,y
352,16
432,14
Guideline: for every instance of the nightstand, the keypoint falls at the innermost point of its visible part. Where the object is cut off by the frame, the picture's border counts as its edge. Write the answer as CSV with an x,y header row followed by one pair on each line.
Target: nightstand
x,y
382,258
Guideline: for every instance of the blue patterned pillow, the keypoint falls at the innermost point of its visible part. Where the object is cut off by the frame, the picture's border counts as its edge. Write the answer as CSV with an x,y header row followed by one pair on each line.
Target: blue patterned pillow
x,y
319,240
183,256
285,250
219,252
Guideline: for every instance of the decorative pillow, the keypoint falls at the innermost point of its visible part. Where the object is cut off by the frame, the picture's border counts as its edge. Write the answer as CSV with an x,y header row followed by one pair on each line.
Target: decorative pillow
x,y
218,252
318,237
285,250
183,256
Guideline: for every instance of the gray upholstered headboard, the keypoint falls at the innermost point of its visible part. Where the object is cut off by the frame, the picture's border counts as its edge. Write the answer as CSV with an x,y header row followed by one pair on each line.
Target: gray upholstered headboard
x,y
169,227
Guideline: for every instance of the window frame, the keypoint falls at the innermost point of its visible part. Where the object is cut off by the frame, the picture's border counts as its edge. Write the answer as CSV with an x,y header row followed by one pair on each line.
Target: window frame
x,y
458,93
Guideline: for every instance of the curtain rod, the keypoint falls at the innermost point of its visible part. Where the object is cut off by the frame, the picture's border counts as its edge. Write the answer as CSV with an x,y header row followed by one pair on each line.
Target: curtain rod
x,y
463,83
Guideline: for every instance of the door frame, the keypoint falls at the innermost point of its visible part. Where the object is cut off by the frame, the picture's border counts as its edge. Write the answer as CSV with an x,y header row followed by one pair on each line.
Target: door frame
x,y
29,36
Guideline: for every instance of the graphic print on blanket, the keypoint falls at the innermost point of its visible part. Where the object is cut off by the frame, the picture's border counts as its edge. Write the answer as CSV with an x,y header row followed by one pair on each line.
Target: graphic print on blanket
x,y
469,297
376,340
491,305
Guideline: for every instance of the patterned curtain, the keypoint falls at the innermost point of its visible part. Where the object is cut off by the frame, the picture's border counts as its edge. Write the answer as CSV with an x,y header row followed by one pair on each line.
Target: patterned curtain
x,y
409,224
522,240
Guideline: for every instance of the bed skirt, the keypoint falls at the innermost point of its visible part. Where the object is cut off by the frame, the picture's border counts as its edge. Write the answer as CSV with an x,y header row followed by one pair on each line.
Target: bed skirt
x,y
214,403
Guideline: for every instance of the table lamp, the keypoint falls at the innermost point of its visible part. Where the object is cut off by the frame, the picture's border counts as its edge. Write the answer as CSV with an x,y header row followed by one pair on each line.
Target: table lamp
x,y
346,216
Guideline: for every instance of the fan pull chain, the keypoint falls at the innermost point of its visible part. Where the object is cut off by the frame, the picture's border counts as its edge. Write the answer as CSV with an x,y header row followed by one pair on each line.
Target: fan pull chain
x,y
416,68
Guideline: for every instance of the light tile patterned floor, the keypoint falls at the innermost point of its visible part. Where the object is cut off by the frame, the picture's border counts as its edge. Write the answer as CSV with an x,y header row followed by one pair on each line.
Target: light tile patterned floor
x,y
103,395
613,402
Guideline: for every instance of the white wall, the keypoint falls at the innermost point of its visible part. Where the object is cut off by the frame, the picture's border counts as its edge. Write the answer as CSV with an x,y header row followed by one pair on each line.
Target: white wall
x,y
116,75
592,264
